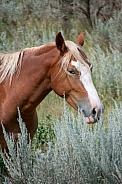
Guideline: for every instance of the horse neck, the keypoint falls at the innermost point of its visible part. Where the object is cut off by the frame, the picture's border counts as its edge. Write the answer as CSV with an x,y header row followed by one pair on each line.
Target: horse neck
x,y
38,65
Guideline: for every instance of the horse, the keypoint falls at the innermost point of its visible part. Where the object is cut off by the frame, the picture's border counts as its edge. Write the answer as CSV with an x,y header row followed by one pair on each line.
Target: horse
x,y
27,77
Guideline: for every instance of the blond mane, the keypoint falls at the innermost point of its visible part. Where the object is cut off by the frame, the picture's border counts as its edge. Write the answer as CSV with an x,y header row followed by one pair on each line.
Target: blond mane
x,y
9,64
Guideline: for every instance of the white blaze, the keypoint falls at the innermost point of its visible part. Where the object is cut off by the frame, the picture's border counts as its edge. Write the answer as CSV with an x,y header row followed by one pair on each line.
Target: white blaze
x,y
86,80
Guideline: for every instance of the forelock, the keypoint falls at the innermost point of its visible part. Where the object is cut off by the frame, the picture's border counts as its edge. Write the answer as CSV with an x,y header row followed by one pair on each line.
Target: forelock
x,y
75,50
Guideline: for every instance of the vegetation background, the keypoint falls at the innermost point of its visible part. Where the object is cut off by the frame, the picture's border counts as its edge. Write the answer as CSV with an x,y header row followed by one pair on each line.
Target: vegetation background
x,y
28,23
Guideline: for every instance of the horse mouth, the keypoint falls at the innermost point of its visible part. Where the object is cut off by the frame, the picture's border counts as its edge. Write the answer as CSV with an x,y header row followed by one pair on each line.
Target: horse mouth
x,y
91,120
94,117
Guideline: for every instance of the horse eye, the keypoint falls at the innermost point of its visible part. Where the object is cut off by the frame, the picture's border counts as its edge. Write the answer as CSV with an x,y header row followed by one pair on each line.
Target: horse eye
x,y
71,71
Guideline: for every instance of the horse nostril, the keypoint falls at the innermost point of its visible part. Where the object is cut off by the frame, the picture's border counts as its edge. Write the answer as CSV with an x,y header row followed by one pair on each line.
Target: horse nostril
x,y
84,112
94,112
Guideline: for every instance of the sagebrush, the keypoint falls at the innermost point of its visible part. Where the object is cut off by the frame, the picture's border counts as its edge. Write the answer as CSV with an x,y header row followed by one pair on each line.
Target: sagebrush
x,y
80,153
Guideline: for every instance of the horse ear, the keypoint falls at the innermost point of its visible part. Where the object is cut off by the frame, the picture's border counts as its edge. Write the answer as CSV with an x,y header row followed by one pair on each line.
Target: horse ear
x,y
80,39
60,43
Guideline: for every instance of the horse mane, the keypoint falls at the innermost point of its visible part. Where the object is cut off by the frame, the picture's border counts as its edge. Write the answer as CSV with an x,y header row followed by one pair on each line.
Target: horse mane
x,y
9,64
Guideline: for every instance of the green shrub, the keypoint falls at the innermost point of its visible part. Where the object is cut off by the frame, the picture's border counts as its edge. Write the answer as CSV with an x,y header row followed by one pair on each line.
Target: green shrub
x,y
44,133
80,154
108,33
107,72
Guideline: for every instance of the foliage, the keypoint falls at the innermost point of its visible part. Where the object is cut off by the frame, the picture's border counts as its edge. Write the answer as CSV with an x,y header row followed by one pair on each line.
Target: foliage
x,y
106,56
3,170
44,133
108,34
19,160
24,37
17,12
108,70
10,11
81,154
25,22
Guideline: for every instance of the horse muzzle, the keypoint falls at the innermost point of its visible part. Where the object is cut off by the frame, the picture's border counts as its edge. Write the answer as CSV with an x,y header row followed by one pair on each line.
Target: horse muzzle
x,y
94,116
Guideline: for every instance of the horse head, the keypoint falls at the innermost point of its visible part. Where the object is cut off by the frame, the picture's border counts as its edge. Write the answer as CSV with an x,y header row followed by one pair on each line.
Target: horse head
x,y
74,79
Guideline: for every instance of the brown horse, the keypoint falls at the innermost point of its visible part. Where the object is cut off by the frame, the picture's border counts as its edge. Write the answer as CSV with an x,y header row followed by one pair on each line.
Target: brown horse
x,y
26,78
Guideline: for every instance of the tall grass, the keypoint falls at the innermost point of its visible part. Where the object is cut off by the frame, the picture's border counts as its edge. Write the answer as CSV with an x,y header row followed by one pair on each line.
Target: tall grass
x,y
80,153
